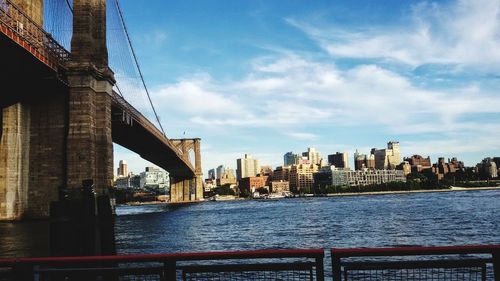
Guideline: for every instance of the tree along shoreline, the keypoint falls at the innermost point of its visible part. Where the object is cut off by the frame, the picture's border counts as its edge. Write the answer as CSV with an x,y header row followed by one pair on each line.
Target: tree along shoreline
x,y
414,181
408,191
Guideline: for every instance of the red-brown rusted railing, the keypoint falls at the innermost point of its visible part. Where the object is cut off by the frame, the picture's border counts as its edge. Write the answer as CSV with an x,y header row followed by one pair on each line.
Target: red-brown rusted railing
x,y
18,26
238,265
417,263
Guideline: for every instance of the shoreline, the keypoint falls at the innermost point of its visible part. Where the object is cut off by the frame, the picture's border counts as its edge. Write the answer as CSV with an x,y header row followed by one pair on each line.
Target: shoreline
x,y
411,191
326,195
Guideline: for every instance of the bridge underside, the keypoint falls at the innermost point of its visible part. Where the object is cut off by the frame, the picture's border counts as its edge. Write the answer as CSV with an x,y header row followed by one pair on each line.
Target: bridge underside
x,y
137,138
32,137
24,78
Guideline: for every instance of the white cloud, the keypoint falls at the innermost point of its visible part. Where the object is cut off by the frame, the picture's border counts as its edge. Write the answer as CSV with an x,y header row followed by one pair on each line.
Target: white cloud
x,y
305,93
302,136
463,32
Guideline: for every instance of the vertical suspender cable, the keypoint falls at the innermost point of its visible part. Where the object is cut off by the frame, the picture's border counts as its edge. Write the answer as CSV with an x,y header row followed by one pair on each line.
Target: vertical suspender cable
x,y
137,64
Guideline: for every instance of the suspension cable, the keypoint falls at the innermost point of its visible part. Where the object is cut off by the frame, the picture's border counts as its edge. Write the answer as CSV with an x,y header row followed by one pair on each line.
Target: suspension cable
x,y
69,6
137,65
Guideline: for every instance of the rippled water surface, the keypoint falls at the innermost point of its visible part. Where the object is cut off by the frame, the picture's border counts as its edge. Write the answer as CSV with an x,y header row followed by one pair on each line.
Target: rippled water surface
x,y
445,218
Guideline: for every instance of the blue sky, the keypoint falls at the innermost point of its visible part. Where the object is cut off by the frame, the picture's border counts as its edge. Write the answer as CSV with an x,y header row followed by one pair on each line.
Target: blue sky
x,y
267,77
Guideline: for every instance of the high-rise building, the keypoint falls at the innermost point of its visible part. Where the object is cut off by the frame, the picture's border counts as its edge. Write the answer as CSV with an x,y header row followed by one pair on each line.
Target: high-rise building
x,y
266,171
339,160
387,158
247,167
122,169
219,171
301,177
282,173
363,161
227,177
291,158
312,155
211,174
487,168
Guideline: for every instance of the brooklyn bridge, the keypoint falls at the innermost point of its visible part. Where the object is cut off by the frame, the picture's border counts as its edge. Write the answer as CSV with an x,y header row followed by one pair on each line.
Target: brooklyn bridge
x,y
70,88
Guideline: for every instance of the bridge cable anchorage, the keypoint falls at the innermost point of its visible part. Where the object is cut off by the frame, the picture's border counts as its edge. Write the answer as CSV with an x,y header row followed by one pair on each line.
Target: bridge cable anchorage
x,y
137,65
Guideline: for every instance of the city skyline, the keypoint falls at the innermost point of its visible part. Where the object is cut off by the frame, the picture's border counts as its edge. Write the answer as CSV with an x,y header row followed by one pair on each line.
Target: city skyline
x,y
331,76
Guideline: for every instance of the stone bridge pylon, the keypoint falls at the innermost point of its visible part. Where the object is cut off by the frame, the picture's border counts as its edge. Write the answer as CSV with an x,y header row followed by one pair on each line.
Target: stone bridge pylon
x,y
190,189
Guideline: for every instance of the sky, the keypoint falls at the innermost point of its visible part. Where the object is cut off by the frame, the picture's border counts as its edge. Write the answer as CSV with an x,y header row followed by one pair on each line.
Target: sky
x,y
268,77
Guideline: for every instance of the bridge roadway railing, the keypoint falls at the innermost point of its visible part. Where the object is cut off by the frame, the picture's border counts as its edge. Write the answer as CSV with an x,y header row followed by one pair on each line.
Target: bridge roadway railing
x,y
18,26
480,262
150,127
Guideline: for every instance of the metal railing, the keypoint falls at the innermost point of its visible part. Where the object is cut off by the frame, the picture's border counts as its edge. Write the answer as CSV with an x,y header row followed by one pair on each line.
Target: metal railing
x,y
22,29
417,263
239,265
406,263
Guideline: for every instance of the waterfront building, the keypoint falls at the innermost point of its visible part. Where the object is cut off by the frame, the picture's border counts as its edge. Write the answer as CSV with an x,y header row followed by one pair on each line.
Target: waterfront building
x,y
129,182
155,178
363,161
487,169
211,174
291,158
339,160
249,185
122,170
208,185
442,168
226,177
280,187
405,167
247,167
301,177
281,173
418,163
219,171
387,158
123,183
497,161
364,177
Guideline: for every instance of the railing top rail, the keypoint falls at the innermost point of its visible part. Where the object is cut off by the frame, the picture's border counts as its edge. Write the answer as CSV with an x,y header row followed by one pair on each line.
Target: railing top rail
x,y
294,253
415,251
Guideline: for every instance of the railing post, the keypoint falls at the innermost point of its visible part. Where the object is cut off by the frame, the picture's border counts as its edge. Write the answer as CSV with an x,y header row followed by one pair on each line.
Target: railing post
x,y
23,272
496,264
336,269
169,268
320,270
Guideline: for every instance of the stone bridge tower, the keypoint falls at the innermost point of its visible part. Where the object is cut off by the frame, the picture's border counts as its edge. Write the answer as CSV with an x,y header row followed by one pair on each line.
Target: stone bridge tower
x,y
183,190
62,137
89,142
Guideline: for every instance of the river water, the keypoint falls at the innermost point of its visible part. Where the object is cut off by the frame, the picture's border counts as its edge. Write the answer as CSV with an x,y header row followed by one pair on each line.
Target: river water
x,y
429,219
439,218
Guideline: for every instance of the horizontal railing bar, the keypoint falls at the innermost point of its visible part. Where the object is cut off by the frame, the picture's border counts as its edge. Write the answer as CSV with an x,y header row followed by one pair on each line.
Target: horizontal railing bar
x,y
298,253
101,270
410,251
415,264
247,267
